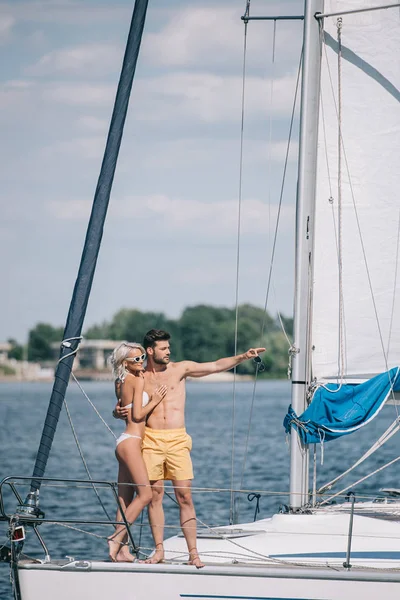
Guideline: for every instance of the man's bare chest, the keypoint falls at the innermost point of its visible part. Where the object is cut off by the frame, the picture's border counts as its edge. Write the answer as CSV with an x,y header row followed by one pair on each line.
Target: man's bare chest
x,y
152,381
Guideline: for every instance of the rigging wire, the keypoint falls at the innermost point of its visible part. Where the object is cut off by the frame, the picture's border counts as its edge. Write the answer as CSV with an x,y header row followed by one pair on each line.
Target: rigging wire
x,y
92,405
331,198
269,235
83,460
360,481
394,288
341,365
272,259
280,203
232,499
271,100
391,430
336,226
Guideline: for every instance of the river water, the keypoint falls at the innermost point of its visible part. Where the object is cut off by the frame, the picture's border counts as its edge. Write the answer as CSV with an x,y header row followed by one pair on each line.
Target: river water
x,y
261,458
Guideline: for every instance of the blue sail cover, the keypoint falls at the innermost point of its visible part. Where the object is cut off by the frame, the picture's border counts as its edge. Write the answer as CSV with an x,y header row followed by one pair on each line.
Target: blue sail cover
x,y
334,412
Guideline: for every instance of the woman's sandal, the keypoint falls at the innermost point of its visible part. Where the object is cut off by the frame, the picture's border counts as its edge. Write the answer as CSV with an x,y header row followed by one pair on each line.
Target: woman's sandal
x,y
195,558
153,560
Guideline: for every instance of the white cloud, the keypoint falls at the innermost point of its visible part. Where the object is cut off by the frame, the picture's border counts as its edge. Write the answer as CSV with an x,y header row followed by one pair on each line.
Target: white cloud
x,y
91,123
7,23
67,12
199,152
93,59
80,147
213,35
209,219
211,98
76,94
262,152
180,147
212,275
189,37
15,94
203,96
70,209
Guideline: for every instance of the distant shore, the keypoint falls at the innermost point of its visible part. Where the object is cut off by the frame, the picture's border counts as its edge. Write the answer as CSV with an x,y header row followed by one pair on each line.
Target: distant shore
x,y
89,375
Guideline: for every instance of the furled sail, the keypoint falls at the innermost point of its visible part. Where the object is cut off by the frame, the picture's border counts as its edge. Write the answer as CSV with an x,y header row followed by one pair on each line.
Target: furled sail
x,y
83,284
355,322
338,410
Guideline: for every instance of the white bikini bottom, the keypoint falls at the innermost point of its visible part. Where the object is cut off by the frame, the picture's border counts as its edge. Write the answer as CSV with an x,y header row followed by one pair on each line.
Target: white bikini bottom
x,y
126,436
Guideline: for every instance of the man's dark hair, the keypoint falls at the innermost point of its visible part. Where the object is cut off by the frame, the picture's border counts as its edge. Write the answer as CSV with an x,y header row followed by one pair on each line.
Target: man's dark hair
x,y
153,336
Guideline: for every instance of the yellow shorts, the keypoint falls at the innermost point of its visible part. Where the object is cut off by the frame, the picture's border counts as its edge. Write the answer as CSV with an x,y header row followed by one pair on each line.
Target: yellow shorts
x,y
166,454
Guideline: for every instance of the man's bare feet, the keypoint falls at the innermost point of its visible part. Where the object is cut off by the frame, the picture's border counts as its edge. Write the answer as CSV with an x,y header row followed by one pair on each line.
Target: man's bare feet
x,y
157,557
194,559
124,555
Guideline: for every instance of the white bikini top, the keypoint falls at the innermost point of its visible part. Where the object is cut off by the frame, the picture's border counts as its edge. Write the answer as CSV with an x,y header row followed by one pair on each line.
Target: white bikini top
x,y
145,401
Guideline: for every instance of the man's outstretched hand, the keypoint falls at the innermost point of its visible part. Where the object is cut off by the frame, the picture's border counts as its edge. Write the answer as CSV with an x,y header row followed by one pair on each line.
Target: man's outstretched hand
x,y
253,353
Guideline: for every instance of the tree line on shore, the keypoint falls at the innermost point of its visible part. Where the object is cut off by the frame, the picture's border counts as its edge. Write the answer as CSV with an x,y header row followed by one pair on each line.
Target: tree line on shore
x,y
202,333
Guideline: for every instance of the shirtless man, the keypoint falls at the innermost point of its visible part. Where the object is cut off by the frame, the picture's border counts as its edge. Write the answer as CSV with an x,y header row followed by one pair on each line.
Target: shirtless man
x,y
166,445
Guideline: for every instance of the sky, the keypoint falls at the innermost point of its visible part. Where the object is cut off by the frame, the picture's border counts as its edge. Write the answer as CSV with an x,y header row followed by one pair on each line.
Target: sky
x,y
171,235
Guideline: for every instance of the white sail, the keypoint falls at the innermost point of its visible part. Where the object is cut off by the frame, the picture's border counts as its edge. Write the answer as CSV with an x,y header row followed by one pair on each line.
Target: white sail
x,y
370,126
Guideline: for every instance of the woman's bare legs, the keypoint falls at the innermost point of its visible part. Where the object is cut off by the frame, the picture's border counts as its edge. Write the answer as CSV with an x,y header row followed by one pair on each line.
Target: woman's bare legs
x,y
125,497
130,458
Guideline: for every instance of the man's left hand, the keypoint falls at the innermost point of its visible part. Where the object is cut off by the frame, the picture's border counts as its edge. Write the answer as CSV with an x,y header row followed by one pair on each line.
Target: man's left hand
x,y
120,412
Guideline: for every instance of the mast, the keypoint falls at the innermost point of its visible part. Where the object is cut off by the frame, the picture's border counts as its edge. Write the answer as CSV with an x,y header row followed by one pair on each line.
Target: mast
x,y
94,234
305,209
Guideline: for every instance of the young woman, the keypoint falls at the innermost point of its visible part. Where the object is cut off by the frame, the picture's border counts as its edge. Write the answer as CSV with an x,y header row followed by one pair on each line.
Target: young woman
x,y
127,364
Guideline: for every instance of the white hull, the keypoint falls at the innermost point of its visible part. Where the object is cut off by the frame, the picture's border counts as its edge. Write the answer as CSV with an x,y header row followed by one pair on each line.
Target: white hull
x,y
143,582
287,556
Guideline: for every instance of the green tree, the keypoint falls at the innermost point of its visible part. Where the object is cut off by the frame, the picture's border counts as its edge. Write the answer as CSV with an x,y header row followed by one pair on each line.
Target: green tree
x,y
206,332
132,324
17,351
40,340
6,370
98,332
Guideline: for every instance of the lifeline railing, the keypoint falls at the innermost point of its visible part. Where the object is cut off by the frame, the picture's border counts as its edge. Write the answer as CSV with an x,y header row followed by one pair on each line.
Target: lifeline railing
x,y
17,518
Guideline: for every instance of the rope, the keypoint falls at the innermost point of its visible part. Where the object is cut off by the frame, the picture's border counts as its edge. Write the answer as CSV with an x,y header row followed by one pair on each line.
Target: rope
x,y
67,344
250,498
341,369
93,406
394,288
96,535
391,430
338,230
360,480
83,459
342,326
229,555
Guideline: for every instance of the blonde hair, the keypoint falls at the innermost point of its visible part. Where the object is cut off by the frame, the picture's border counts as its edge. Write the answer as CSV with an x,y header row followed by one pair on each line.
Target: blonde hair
x,y
118,357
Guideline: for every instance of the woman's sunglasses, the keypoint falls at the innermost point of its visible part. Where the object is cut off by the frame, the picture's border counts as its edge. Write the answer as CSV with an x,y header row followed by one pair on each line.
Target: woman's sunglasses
x,y
136,358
